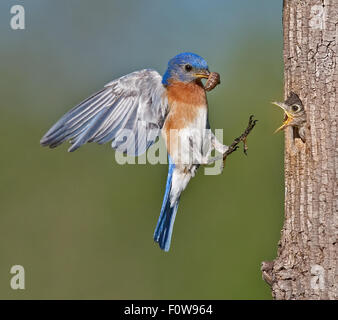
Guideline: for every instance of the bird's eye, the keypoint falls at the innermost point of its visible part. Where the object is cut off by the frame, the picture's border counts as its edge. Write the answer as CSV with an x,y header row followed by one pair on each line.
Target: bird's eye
x,y
295,108
188,67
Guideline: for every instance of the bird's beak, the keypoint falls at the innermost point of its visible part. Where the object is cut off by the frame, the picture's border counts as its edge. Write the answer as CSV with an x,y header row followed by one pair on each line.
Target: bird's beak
x,y
203,74
288,117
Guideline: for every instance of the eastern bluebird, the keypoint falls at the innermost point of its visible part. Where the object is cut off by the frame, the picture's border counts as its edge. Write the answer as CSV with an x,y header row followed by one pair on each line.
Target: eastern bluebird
x,y
295,115
133,110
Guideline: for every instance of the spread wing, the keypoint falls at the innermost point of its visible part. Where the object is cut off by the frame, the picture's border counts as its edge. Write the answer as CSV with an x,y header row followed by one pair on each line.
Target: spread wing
x,y
129,111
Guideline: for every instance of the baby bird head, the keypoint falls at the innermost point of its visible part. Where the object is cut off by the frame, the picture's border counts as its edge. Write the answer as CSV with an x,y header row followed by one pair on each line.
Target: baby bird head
x,y
186,67
295,115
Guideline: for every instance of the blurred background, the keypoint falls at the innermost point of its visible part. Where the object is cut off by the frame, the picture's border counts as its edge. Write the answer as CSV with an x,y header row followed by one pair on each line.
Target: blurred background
x,y
82,225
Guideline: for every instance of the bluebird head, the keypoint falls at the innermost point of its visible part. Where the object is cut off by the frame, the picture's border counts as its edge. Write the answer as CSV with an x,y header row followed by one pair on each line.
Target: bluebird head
x,y
186,67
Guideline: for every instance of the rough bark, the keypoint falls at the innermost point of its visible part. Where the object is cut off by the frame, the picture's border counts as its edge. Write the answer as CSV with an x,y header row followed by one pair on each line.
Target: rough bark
x,y
306,263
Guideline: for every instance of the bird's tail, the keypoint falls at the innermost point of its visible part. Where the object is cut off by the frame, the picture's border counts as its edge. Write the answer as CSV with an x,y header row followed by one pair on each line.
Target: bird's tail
x,y
165,223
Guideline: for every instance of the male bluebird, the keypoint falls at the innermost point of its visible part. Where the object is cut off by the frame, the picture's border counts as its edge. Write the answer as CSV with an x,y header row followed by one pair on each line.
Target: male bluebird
x,y
131,111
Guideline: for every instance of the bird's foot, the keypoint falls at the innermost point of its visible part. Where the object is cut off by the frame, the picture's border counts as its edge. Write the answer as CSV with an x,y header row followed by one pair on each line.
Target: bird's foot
x,y
234,146
243,137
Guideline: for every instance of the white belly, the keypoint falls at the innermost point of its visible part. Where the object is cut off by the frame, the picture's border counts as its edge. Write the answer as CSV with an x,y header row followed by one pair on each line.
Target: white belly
x,y
187,144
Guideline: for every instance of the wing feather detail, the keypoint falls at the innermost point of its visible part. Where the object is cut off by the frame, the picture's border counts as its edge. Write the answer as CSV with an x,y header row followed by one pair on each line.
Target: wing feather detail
x,y
129,111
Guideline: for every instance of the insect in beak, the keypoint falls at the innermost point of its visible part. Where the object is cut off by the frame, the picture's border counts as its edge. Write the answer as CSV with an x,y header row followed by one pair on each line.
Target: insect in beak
x,y
213,80
288,117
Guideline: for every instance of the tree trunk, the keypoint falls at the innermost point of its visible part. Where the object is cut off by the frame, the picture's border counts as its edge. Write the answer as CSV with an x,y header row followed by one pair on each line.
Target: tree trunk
x,y
305,267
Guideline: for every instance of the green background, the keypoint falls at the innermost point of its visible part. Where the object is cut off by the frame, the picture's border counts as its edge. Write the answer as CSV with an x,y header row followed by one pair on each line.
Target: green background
x,y
82,225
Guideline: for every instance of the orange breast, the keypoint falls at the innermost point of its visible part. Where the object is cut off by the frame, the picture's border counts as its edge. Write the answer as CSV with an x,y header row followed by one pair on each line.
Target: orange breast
x,y
190,93
184,100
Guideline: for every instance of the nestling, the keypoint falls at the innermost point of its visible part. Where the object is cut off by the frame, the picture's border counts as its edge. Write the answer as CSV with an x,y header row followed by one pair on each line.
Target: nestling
x,y
295,115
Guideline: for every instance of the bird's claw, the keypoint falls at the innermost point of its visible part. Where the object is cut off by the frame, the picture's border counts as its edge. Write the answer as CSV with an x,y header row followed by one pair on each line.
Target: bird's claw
x,y
245,147
234,146
243,137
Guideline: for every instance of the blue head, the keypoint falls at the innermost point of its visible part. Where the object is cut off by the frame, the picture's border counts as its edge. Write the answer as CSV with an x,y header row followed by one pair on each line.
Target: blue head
x,y
186,67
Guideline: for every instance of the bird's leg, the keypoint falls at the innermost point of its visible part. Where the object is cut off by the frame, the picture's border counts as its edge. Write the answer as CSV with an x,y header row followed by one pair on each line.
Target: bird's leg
x,y
217,145
234,146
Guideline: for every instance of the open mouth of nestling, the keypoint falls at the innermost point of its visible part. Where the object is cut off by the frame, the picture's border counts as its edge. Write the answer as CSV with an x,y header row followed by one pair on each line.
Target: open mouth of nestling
x,y
287,118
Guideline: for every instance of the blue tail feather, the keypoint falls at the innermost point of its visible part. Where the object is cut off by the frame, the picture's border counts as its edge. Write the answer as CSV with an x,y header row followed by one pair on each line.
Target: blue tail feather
x,y
165,223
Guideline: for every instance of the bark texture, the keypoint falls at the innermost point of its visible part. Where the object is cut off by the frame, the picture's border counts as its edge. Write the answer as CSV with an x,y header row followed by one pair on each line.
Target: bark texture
x,y
306,265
